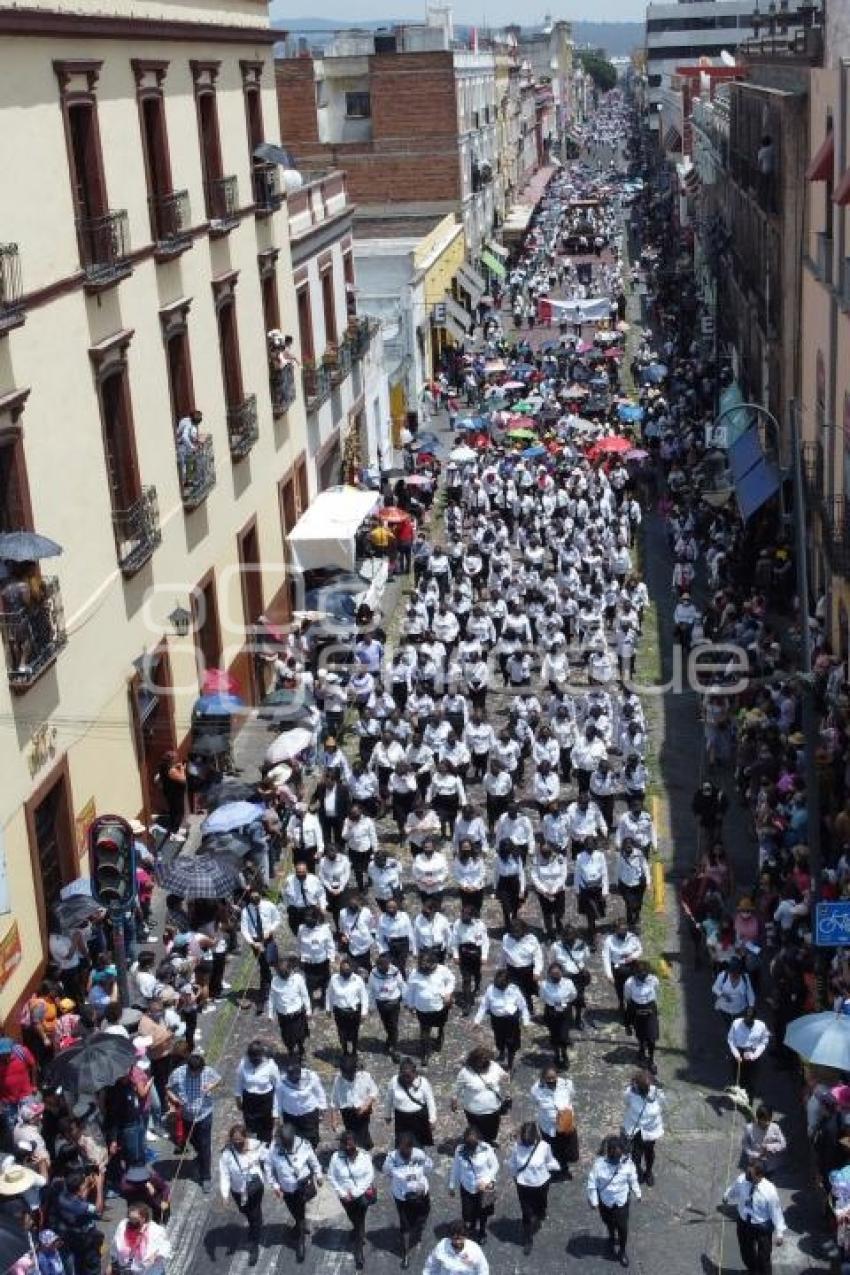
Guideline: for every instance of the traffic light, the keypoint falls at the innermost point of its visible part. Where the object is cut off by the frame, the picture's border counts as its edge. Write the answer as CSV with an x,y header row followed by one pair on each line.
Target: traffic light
x,y
112,861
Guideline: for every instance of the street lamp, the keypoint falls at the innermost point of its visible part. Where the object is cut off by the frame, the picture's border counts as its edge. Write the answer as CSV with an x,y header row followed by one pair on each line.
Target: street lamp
x,y
181,621
794,472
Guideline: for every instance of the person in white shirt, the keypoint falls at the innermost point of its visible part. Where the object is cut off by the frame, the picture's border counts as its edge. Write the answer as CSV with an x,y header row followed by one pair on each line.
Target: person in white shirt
x,y
446,795
352,1176
386,990
428,994
611,1183
554,1099
508,880
590,882
301,1099
620,951
385,876
334,872
584,823
316,951
469,872
357,932
302,890
522,957
470,947
431,932
572,954
559,994
360,840
733,992
255,1089
633,877
748,1038
407,1167
289,1002
640,997
140,1246
394,934
293,1171
507,1009
549,878
430,872
259,920
531,1165
305,836
457,1255
409,1104
643,1123
478,1091
241,1177
353,1097
587,752
475,1168
637,825
760,1218
347,999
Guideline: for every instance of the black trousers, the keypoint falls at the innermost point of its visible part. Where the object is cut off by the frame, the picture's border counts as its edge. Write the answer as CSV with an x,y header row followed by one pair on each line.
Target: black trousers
x,y
355,1211
388,1012
412,1216
643,1153
533,1202
257,1114
506,1033
348,1028
553,910
756,1245
487,1123
633,899
475,1208
616,1219
251,1208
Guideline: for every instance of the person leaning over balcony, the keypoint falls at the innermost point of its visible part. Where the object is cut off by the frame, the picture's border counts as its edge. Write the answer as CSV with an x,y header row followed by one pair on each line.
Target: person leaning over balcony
x,y
187,437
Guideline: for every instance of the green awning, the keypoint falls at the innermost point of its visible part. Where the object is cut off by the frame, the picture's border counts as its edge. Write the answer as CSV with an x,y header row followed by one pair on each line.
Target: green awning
x,y
493,265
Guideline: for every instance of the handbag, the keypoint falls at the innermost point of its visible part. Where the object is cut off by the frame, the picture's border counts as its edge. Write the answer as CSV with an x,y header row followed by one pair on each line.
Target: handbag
x,y
306,1187
565,1121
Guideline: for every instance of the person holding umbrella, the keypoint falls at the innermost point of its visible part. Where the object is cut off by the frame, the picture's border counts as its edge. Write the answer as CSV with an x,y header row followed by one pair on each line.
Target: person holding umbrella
x,y
190,1090
241,1177
293,1172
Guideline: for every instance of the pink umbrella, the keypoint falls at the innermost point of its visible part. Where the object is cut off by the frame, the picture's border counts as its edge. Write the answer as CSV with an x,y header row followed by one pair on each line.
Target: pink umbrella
x,y
218,681
636,453
514,385
583,347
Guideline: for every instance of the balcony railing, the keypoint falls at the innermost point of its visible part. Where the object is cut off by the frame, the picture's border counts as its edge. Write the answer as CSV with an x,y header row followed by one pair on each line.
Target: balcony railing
x,y
104,247
171,221
836,535
360,333
282,385
33,631
137,531
243,427
317,385
266,182
196,466
11,287
338,362
222,195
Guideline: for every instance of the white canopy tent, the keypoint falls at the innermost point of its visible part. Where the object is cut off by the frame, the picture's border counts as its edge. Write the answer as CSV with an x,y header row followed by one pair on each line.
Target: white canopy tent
x,y
324,535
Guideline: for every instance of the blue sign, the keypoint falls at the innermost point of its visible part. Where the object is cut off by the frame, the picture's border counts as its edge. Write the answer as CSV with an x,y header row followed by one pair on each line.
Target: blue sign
x,y
832,924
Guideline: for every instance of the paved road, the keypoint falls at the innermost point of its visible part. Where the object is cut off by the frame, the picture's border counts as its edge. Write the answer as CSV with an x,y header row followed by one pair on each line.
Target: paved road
x,y
677,1228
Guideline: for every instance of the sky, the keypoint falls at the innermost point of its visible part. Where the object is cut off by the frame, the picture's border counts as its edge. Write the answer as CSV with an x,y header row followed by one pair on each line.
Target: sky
x,y
478,12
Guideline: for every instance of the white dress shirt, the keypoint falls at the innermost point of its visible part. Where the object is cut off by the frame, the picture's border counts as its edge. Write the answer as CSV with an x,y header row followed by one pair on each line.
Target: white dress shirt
x,y
428,993
549,876
257,1080
644,1113
591,871
522,953
316,943
236,1169
732,998
289,995
386,879
420,1097
550,1101
611,1185
633,870
334,874
473,1171
503,1002
479,1091
433,931
757,1203
532,1166
444,1259
287,1169
430,872
299,1100
617,951
353,1094
385,989
474,931
351,1176
558,995
748,1042
584,824
347,994
470,874
641,991
357,925
257,917
408,1177
393,927
306,893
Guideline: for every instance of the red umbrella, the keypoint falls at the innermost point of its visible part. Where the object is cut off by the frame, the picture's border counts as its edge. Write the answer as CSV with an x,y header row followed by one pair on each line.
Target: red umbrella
x,y
612,444
393,514
218,681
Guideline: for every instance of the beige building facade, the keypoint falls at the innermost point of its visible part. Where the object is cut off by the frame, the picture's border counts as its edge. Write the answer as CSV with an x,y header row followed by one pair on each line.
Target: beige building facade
x,y
145,255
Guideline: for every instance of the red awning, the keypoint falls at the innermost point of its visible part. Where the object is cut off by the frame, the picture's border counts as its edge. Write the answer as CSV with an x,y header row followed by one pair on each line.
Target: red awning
x,y
820,169
842,190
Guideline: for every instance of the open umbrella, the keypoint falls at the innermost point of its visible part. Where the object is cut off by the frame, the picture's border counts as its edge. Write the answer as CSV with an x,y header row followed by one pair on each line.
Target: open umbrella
x,y
235,814
822,1039
199,877
218,680
210,745
393,514
656,373
75,911
521,434
530,452
229,790
513,385
14,1240
27,546
288,745
223,844
94,1064
462,454
630,412
222,704
637,453
612,444
417,480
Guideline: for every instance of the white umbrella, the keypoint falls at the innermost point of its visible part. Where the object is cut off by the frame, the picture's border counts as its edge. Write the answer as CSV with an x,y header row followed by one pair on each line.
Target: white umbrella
x,y
823,1039
462,454
288,745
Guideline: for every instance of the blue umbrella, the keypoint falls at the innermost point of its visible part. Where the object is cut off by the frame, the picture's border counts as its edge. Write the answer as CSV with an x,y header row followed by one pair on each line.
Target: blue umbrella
x,y
655,373
233,814
27,546
822,1039
530,452
220,705
630,412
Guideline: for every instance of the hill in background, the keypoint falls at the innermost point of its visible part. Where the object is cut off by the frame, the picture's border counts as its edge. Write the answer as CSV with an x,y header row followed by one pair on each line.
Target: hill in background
x,y
616,38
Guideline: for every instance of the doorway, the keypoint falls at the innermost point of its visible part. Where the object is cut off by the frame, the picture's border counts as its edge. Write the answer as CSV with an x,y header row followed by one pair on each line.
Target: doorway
x,y
50,826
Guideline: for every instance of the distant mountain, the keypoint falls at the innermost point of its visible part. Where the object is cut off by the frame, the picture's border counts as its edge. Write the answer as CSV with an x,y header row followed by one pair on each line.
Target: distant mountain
x,y
616,38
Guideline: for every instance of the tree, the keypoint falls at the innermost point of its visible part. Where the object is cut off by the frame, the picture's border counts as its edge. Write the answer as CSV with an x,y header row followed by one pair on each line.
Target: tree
x,y
601,71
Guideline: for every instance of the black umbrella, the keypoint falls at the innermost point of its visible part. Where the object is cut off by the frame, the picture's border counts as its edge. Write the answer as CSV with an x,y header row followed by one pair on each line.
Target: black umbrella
x,y
210,745
76,911
94,1064
224,844
199,877
14,1243
229,790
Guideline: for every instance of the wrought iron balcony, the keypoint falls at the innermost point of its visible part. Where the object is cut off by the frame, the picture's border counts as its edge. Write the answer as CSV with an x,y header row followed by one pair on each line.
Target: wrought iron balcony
x,y
197,472
360,333
282,385
171,220
33,630
222,194
317,385
267,193
137,532
338,362
104,244
243,427
11,288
